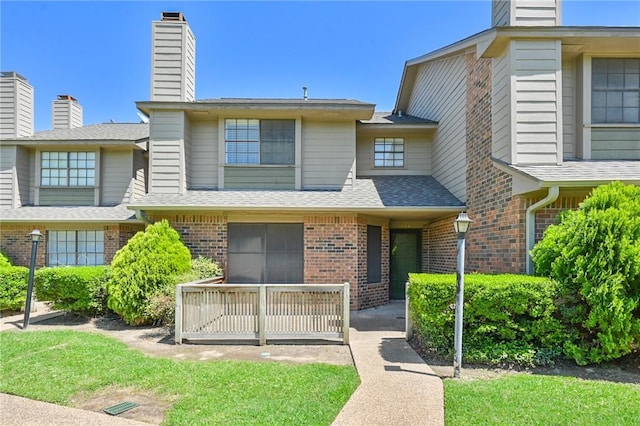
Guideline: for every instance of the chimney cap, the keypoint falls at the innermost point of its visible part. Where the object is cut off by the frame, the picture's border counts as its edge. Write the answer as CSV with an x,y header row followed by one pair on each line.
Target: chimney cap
x,y
173,16
67,98
9,74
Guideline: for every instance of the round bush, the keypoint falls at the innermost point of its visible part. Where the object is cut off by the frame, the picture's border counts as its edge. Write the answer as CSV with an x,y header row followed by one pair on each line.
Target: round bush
x,y
142,268
594,253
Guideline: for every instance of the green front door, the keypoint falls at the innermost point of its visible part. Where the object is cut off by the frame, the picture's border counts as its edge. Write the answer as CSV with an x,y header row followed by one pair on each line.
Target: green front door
x,y
405,258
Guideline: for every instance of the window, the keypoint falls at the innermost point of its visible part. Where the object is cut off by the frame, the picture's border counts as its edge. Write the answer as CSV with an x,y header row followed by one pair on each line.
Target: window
x,y
374,254
615,86
388,152
68,169
260,141
75,248
269,253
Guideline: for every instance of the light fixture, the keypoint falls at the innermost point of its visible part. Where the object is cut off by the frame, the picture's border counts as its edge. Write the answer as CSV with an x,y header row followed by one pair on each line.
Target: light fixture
x,y
35,235
461,225
462,222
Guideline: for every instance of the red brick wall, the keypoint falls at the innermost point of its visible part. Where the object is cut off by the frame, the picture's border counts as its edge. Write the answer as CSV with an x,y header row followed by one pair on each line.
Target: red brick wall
x,y
440,252
372,294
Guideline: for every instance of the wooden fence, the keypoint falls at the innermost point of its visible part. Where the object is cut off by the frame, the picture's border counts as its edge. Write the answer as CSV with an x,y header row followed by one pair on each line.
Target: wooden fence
x,y
210,311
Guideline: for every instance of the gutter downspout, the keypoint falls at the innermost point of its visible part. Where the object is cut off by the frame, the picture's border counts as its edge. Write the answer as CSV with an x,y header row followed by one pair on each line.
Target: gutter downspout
x,y
140,215
530,223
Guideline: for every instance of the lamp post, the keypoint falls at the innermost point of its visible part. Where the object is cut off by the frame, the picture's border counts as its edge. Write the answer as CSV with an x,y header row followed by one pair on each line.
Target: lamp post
x,y
35,237
461,225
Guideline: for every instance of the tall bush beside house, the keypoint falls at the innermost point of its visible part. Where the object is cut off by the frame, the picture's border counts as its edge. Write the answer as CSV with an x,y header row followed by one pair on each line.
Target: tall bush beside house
x,y
4,260
594,253
508,319
13,287
143,268
74,288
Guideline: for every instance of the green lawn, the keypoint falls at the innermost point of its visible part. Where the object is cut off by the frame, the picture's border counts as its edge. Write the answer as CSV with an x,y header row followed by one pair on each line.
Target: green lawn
x,y
55,365
524,399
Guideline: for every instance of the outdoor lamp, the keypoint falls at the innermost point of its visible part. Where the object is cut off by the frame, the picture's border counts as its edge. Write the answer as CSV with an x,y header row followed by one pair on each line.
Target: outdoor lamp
x,y
461,225
35,237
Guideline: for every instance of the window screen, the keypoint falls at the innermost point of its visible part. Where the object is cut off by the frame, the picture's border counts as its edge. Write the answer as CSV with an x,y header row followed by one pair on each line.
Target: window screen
x,y
388,152
615,95
260,141
75,248
374,254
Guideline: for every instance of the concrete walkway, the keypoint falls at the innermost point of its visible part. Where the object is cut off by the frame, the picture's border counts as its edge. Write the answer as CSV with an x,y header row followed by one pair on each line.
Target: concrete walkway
x,y
397,387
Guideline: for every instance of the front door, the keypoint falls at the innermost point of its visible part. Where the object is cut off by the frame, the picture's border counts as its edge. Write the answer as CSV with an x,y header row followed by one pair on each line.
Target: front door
x,y
405,258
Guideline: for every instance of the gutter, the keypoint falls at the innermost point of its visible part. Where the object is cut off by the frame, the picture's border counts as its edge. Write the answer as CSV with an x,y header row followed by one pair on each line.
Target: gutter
x,y
530,222
140,215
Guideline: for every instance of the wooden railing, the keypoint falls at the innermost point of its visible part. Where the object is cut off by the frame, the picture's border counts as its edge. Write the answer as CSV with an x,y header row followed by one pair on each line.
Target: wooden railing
x,y
210,311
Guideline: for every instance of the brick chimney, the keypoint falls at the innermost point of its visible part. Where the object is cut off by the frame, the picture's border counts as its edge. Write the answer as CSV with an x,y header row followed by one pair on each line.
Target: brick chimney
x,y
66,112
526,13
173,55
16,106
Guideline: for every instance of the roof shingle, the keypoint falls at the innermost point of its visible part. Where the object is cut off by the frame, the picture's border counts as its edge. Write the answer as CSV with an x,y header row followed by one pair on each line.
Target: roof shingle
x,y
97,132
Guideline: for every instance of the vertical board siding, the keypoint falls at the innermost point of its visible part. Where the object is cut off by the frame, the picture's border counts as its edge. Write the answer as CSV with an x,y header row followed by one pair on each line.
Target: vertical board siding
x,y
440,94
117,172
537,66
139,175
7,176
24,173
615,144
166,152
501,107
417,156
569,108
203,160
173,62
328,154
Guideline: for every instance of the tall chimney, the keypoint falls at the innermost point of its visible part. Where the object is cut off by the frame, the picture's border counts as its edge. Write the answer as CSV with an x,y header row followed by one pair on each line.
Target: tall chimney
x,y
173,59
16,106
526,13
66,112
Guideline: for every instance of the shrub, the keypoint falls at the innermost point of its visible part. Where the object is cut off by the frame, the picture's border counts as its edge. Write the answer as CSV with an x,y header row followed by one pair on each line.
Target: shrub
x,y
162,306
143,268
74,288
4,260
13,287
594,253
508,319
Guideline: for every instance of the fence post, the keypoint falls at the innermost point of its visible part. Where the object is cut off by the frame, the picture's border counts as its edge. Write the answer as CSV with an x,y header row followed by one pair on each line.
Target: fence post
x,y
262,314
178,321
408,330
345,314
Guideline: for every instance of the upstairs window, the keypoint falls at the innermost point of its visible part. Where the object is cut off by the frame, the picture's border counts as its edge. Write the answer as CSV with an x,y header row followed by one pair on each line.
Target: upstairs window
x,y
68,168
260,141
615,96
388,152
85,248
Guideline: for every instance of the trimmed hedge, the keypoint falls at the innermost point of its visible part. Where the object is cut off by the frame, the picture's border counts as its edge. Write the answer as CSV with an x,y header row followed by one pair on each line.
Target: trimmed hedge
x,y
13,287
74,288
508,319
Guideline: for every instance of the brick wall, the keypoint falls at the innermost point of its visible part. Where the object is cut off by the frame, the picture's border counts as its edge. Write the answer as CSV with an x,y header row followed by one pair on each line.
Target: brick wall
x,y
372,294
439,255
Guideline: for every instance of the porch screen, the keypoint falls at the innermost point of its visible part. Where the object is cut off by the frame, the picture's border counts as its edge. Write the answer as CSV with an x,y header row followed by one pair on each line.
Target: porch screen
x,y
270,253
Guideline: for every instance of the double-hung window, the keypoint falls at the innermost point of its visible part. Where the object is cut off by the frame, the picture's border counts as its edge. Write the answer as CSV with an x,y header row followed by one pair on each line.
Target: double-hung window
x,y
249,141
59,168
388,152
75,248
615,85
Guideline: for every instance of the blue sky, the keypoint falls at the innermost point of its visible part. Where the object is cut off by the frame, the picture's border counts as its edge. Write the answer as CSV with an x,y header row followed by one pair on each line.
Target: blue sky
x,y
99,52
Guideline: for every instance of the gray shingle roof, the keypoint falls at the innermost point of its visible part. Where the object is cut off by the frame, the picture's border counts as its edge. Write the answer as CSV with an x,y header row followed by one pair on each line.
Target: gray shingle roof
x,y
284,101
68,214
585,171
389,118
381,192
97,132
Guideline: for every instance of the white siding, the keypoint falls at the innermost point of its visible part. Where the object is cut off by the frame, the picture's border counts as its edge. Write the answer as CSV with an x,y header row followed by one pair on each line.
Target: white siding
x,y
139,175
16,107
66,114
538,121
417,156
172,62
501,107
187,152
7,176
328,154
166,155
24,173
117,172
569,108
440,94
203,161
527,13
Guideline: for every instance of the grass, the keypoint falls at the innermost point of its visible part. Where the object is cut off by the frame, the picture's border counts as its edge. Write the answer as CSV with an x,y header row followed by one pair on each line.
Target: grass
x,y
524,399
55,365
